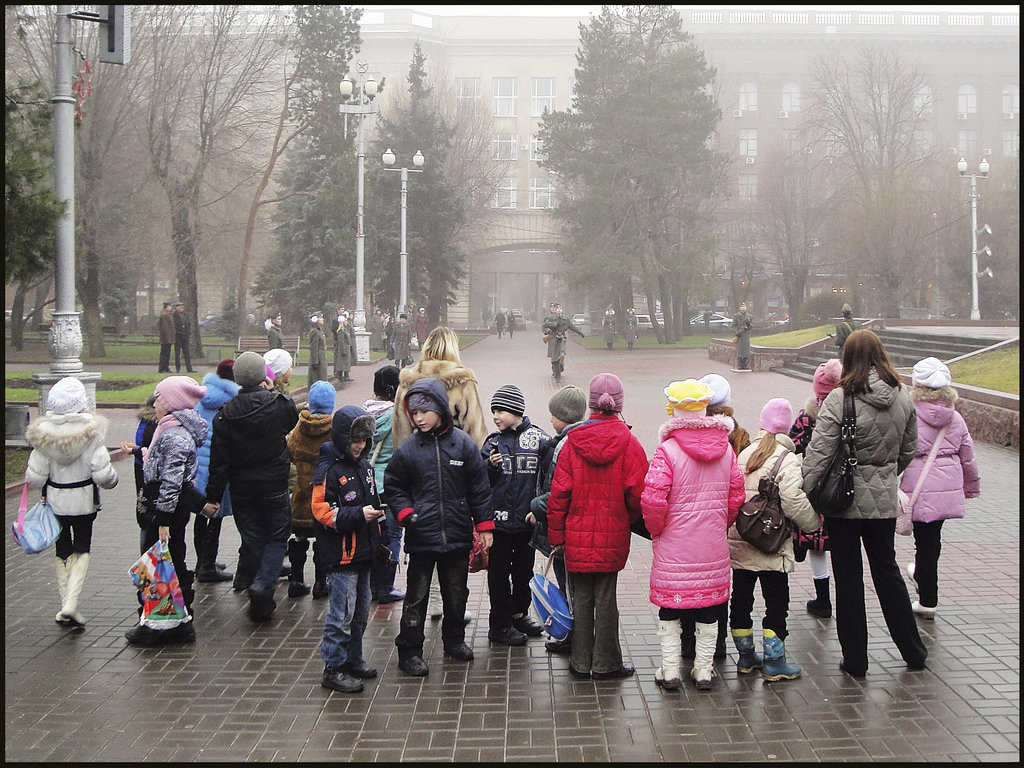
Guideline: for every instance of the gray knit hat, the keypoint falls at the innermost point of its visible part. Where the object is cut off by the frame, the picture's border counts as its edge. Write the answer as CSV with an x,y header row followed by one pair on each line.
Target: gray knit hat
x,y
509,398
250,369
569,404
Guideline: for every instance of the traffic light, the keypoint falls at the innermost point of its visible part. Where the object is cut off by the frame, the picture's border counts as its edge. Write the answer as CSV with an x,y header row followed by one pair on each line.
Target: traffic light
x,y
115,36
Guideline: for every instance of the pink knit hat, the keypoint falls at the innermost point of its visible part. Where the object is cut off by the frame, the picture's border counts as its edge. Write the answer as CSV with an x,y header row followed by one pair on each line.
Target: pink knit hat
x,y
605,393
776,416
826,377
177,393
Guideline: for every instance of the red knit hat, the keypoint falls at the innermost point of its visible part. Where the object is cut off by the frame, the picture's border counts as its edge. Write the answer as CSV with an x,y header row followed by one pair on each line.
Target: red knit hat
x,y
225,369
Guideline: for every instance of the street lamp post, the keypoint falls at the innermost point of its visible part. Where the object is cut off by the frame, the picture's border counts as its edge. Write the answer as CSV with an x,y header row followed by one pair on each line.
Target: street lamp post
x,y
361,95
982,173
388,159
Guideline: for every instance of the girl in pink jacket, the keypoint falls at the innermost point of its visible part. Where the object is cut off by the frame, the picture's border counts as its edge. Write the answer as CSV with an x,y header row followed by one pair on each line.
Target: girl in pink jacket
x,y
952,477
692,493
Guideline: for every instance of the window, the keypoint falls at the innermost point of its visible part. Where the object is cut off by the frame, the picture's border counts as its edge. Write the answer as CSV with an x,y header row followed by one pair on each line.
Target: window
x,y
967,143
537,153
1011,143
504,146
467,88
791,142
542,96
748,97
748,142
923,100
748,186
791,97
505,96
505,194
542,193
966,100
1011,100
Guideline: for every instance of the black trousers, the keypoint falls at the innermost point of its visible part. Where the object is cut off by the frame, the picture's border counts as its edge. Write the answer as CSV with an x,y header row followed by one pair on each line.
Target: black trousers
x,y
877,536
928,541
509,571
177,547
165,359
181,348
75,535
774,590
453,576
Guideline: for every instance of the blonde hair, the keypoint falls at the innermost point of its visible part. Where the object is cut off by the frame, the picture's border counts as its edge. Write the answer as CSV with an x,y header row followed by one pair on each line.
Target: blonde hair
x,y
442,343
761,454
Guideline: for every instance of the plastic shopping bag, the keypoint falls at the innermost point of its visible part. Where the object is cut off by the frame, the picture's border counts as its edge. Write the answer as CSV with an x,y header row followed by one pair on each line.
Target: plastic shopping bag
x,y
550,605
163,606
36,527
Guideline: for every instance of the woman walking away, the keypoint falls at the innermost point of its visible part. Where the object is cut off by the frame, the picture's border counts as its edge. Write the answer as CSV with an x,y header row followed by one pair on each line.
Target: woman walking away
x,y
69,462
771,448
952,476
884,444
691,495
814,546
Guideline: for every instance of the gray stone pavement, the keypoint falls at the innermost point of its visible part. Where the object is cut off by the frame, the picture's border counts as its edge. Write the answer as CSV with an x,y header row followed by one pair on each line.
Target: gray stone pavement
x,y
252,693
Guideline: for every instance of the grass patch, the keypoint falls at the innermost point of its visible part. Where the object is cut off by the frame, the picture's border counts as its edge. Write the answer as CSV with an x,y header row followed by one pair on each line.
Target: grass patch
x,y
796,338
15,461
998,370
112,388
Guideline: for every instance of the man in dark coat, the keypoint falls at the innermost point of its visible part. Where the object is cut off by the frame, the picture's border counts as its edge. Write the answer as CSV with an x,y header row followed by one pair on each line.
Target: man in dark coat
x,y
166,328
181,339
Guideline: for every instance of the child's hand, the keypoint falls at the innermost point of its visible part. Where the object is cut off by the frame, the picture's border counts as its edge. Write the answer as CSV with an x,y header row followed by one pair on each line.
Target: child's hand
x,y
370,513
530,518
486,539
127,447
495,458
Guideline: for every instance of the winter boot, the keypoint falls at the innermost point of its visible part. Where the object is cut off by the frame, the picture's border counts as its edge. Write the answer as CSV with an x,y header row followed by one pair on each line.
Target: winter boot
x,y
689,640
775,666
667,675
704,658
338,679
820,606
207,544
410,661
387,592
749,659
78,566
319,574
61,566
297,549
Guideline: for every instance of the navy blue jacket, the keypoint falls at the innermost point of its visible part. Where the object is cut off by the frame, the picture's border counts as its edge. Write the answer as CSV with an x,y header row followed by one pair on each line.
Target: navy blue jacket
x,y
514,483
436,483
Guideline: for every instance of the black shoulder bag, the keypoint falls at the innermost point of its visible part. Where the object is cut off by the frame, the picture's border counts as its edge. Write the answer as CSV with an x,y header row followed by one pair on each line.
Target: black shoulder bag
x,y
761,522
834,490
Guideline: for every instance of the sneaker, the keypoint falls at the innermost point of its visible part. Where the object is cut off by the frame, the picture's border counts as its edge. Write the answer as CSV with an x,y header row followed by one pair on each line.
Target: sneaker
x,y
922,611
460,652
507,636
527,626
338,680
414,666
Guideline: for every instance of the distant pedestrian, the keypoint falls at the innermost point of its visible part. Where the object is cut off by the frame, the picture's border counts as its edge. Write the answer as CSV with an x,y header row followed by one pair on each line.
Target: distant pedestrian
x,y
342,349
166,327
742,322
401,340
631,329
846,326
422,326
68,464
952,477
317,351
274,338
499,322
608,325
182,341
510,323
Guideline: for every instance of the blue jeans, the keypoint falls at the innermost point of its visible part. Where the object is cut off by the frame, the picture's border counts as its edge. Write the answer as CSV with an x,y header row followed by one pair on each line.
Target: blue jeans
x,y
264,523
348,611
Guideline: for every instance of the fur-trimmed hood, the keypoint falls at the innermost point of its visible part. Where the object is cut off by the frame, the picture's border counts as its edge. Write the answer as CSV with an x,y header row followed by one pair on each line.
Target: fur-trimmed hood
x,y
934,407
811,407
63,438
451,374
146,412
926,394
703,437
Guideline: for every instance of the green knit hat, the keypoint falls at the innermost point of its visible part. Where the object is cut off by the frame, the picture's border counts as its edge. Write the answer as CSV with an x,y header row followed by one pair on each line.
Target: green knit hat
x,y
568,404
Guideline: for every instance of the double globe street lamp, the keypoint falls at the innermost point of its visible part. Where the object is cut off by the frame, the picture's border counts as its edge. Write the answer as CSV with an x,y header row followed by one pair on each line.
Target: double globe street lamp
x,y
388,158
358,100
982,173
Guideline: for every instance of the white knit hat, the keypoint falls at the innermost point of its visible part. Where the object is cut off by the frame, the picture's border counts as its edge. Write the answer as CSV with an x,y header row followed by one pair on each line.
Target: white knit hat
x,y
932,373
278,359
67,396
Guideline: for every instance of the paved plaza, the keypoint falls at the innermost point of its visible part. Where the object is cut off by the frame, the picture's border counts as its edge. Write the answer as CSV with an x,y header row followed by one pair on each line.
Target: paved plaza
x,y
244,692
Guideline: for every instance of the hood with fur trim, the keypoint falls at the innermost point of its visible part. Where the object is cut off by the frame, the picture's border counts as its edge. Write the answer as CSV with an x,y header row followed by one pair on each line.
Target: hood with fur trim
x,y
63,438
704,438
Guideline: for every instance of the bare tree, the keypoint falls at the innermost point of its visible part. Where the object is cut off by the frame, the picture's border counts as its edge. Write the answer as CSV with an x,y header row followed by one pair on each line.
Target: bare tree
x,y
866,107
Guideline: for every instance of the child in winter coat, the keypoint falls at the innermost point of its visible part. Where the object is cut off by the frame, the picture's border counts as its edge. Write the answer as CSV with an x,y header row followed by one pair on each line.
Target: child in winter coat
x,y
143,437
750,566
568,409
220,387
304,441
692,493
436,485
814,545
952,477
347,511
169,468
382,408
69,462
512,457
595,498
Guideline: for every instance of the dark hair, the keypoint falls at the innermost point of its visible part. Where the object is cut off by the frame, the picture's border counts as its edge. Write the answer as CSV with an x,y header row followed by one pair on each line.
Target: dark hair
x,y
862,351
385,382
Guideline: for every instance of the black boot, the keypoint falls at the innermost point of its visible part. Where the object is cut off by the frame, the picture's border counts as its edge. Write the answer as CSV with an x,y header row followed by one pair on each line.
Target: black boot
x,y
386,589
245,571
723,632
821,605
207,541
297,549
319,574
689,638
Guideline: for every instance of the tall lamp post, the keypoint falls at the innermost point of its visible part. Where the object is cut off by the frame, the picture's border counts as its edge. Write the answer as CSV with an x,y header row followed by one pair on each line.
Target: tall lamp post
x,y
358,101
982,173
388,159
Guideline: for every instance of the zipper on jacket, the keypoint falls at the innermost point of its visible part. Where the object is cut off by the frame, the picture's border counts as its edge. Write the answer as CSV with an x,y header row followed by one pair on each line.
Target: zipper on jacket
x,y
440,492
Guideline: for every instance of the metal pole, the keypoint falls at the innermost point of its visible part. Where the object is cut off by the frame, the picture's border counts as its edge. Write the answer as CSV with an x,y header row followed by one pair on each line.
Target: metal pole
x,y
404,256
975,314
360,314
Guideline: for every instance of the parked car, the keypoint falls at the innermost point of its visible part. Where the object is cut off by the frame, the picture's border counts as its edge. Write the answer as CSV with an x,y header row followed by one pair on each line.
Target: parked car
x,y
778,319
715,319
520,320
